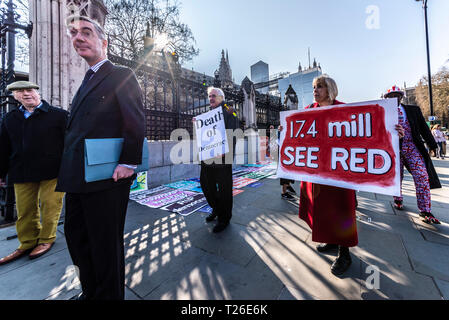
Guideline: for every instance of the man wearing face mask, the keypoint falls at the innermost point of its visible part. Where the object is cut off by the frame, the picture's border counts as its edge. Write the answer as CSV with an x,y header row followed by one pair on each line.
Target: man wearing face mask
x,y
216,178
415,156
31,144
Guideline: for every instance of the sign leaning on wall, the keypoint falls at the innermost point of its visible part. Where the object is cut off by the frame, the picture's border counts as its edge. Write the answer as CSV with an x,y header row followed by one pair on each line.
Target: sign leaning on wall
x,y
211,134
353,146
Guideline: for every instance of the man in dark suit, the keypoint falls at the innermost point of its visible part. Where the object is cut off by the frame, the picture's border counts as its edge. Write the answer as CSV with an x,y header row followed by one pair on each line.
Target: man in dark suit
x,y
108,104
414,155
216,175
31,144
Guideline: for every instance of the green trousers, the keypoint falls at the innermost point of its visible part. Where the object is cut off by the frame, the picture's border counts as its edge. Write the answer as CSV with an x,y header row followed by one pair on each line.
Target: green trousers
x,y
36,201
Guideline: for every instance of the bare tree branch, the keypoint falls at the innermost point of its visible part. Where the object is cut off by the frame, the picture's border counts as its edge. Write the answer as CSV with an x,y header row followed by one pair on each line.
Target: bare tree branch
x,y
128,20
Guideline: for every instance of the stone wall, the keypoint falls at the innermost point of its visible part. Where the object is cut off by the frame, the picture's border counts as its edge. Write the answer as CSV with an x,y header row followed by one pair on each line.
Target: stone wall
x,y
163,170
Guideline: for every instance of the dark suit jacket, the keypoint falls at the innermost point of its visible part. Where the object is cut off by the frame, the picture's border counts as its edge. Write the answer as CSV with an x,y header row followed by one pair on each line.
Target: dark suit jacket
x,y
420,131
31,149
109,107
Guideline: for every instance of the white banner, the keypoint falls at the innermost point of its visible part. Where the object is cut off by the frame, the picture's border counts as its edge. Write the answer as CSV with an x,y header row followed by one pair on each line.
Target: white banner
x,y
353,146
211,134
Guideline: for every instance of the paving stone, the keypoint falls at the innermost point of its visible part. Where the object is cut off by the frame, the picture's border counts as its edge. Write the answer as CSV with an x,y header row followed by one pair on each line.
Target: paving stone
x,y
444,288
7,232
8,246
399,285
153,255
236,243
290,293
382,249
297,264
383,207
44,278
270,222
147,218
64,294
432,236
366,195
130,295
215,278
401,225
429,258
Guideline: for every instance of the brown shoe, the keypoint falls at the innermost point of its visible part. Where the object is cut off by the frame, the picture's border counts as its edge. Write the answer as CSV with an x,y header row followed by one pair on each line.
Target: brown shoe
x,y
40,250
14,256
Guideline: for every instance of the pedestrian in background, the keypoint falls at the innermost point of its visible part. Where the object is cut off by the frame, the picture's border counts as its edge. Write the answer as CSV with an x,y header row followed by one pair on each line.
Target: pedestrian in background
x,y
414,155
440,140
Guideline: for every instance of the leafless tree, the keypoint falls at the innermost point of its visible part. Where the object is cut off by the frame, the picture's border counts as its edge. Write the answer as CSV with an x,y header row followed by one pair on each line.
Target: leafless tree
x,y
440,94
129,21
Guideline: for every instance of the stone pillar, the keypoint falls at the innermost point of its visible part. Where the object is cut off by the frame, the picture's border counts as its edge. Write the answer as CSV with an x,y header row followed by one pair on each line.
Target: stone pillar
x,y
249,103
54,64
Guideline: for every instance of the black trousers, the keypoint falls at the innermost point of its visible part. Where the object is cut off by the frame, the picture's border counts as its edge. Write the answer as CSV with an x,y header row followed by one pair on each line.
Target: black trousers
x,y
216,182
94,225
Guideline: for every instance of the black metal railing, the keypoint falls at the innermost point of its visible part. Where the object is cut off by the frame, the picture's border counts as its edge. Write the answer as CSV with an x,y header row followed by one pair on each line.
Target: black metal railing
x,y
171,101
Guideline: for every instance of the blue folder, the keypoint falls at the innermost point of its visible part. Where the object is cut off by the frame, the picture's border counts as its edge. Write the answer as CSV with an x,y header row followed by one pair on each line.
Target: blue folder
x,y
101,156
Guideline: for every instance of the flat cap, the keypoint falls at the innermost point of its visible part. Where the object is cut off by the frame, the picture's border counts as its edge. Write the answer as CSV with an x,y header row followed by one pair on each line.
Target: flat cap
x,y
75,17
19,85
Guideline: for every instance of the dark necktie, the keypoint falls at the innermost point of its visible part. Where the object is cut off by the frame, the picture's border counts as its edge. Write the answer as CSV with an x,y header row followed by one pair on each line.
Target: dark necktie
x,y
86,79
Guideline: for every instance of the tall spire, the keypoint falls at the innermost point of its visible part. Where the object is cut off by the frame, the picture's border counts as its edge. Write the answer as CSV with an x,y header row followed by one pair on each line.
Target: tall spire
x,y
224,71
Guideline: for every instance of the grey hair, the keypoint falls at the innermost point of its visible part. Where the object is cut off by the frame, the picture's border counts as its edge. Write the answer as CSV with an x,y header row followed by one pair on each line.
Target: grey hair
x,y
98,29
330,84
218,90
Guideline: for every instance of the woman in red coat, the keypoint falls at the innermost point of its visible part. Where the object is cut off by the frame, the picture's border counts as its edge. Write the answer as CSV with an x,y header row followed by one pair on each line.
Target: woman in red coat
x,y
328,210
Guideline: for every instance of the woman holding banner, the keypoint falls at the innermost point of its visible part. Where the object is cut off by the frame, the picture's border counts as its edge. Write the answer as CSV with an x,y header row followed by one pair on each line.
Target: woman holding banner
x,y
329,210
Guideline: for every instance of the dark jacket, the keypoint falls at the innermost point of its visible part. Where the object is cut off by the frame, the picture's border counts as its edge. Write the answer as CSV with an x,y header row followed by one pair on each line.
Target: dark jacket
x,y
31,149
420,131
231,122
110,106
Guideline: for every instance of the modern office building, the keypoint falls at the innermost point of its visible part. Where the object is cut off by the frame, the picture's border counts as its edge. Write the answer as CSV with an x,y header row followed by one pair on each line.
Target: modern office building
x,y
301,83
260,74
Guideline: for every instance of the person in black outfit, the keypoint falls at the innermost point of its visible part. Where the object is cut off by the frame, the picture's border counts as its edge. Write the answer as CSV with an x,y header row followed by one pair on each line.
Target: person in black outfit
x,y
108,104
31,144
216,178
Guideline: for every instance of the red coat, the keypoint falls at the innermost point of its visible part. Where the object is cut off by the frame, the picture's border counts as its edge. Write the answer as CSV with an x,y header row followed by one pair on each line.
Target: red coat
x,y
329,211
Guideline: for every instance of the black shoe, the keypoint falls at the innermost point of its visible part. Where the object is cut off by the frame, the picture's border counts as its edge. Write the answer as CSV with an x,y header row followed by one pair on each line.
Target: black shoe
x,y
220,226
342,263
287,196
211,217
398,204
325,247
79,296
291,190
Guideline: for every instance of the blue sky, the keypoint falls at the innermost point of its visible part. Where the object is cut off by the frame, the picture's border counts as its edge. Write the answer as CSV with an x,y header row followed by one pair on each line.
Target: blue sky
x,y
363,61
